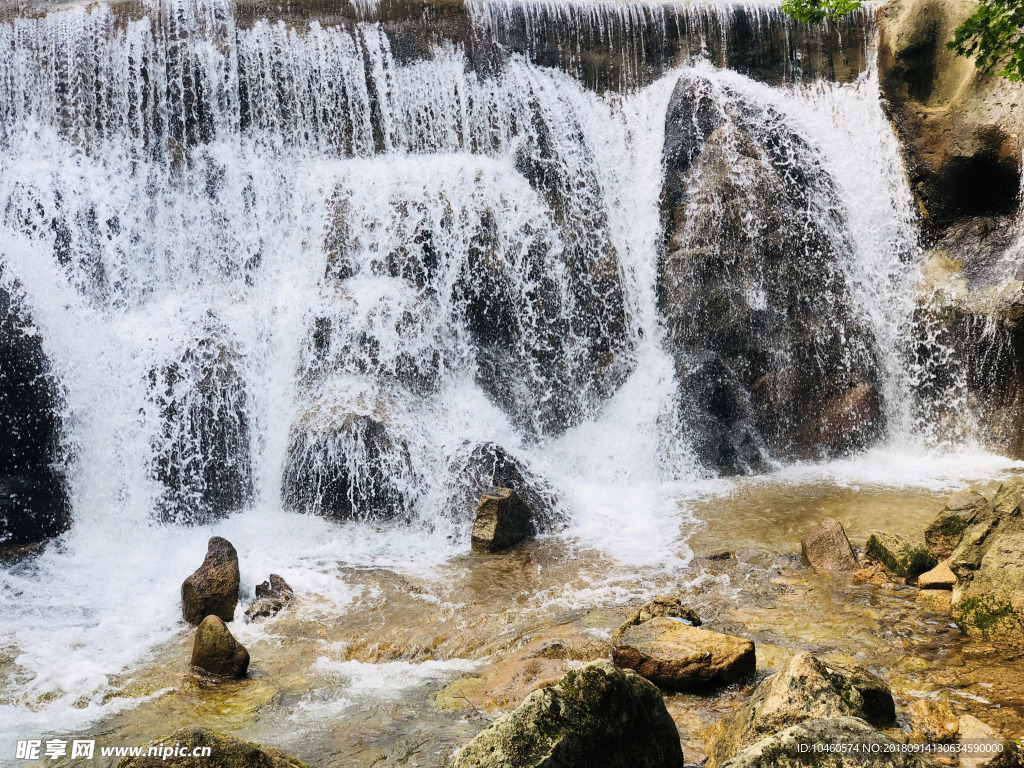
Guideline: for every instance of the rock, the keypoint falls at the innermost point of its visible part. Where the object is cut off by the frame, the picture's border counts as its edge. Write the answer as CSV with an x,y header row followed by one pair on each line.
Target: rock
x,y
807,689
899,555
984,743
946,530
677,656
826,548
345,461
933,722
225,752
669,606
939,577
271,597
215,650
597,715
202,454
213,588
851,419
988,599
502,521
938,601
34,503
795,747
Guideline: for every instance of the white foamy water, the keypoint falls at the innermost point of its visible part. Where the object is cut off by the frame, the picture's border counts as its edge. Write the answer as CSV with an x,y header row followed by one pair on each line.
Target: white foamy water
x,y
175,183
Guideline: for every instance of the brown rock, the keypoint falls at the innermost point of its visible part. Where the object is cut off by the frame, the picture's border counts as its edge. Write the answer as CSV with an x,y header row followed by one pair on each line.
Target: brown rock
x,y
826,548
975,734
939,577
675,655
213,589
933,722
849,419
271,597
215,650
502,521
945,532
669,606
225,752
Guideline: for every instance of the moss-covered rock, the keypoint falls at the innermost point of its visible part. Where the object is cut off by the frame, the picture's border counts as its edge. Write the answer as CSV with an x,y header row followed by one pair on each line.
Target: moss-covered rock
x,y
597,715
948,528
900,555
807,689
224,752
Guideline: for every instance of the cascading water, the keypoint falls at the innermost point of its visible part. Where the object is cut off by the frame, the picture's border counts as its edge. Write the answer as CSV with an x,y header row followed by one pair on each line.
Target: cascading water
x,y
296,269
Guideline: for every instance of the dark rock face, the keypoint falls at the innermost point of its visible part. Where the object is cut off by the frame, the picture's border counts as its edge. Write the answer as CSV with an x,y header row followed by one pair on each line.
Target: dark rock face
x,y
597,715
502,521
225,752
272,596
213,588
771,359
33,499
203,452
216,651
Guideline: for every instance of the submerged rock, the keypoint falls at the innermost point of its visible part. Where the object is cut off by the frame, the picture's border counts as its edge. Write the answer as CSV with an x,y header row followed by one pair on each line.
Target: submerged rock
x,y
271,597
225,752
945,532
973,732
807,689
826,547
988,599
796,746
597,715
216,651
213,588
675,655
900,555
933,722
502,521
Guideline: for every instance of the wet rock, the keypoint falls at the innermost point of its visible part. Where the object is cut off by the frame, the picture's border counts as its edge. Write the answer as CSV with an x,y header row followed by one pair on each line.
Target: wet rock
x,y
346,462
939,577
807,689
795,747
271,597
974,734
225,752
945,532
751,286
597,715
826,548
502,521
677,656
933,722
213,588
34,504
489,465
900,555
202,454
216,651
988,599
668,606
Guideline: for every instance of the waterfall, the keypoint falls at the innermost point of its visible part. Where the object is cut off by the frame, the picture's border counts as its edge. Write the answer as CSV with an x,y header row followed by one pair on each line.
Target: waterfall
x,y
290,276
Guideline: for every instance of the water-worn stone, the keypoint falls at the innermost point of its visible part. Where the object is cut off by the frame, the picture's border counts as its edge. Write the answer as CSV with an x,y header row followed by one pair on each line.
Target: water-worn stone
x,y
213,588
1000,752
271,597
215,650
225,752
502,521
795,747
675,655
668,605
596,715
900,555
988,599
945,532
826,547
933,722
807,689
939,577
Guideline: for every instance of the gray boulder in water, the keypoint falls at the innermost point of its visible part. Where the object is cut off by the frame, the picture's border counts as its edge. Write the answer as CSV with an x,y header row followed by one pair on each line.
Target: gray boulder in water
x,y
772,359
212,589
596,716
215,650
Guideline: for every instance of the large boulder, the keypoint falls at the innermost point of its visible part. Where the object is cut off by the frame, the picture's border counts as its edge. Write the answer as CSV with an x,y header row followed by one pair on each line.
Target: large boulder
x,y
807,689
826,547
675,655
177,751
202,454
216,651
34,503
808,743
213,588
988,599
502,521
769,347
597,715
